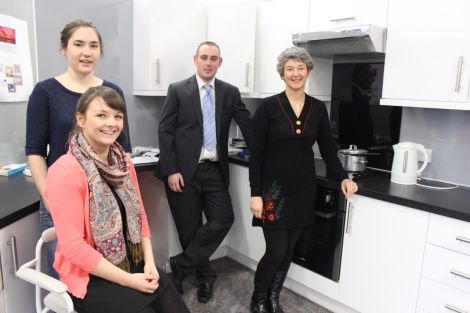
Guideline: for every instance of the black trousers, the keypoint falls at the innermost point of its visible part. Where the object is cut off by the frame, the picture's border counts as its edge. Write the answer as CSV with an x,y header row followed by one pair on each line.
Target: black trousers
x,y
206,193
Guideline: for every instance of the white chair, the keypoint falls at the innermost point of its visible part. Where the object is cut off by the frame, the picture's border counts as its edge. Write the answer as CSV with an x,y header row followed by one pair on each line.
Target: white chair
x,y
57,300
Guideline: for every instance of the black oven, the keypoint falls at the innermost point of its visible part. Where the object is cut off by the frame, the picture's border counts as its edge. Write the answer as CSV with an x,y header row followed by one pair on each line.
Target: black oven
x,y
319,246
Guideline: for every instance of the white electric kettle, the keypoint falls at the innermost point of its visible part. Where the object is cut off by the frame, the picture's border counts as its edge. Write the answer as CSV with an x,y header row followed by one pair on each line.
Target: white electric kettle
x,y
405,162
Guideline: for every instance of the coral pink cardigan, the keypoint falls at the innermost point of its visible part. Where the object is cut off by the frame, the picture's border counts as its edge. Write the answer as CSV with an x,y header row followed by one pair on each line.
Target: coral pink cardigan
x,y
67,196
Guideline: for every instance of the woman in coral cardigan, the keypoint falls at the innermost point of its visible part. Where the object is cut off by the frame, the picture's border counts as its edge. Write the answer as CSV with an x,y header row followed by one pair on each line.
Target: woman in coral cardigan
x,y
104,254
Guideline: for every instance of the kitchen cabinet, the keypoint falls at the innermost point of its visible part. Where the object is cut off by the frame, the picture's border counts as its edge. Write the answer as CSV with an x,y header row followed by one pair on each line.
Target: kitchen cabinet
x,y
232,25
17,295
339,13
383,249
244,239
277,21
165,40
427,61
445,279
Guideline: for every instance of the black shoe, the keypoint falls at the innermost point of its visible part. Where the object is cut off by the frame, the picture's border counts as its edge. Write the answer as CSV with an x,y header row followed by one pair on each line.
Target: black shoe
x,y
204,293
259,303
177,275
275,289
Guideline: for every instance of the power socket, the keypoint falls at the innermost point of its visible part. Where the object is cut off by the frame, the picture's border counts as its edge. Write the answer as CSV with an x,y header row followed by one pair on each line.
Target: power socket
x,y
421,157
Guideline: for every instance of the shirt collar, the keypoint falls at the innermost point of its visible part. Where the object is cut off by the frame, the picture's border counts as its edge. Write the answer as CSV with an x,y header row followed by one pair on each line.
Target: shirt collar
x,y
201,83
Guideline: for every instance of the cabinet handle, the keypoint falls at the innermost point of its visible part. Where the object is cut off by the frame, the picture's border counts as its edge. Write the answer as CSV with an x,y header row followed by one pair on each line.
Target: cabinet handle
x,y
459,74
157,71
349,208
453,308
14,257
247,74
1,274
339,19
463,239
460,274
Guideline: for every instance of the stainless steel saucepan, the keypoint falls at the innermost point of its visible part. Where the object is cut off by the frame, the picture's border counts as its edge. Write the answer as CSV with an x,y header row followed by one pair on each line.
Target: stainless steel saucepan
x,y
353,159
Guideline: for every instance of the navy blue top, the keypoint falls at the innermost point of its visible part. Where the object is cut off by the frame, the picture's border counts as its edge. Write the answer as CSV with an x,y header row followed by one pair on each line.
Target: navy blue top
x,y
51,117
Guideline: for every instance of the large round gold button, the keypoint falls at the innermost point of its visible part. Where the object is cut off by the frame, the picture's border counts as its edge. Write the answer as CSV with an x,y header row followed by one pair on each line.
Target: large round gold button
x,y
298,122
298,131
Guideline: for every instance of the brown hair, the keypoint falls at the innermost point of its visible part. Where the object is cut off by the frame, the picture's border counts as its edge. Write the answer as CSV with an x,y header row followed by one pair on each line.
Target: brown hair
x,y
71,27
107,94
207,43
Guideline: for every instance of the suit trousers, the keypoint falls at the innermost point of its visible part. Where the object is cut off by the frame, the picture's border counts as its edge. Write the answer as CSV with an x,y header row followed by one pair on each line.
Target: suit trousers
x,y
205,193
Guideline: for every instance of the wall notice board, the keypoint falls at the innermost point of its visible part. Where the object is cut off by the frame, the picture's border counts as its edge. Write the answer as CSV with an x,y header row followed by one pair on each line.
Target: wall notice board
x,y
16,76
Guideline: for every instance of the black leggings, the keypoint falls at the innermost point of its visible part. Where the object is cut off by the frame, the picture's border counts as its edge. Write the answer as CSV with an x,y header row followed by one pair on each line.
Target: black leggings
x,y
278,256
105,296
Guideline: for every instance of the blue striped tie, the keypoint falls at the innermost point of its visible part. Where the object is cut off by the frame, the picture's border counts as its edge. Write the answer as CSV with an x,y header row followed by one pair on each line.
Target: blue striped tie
x,y
208,115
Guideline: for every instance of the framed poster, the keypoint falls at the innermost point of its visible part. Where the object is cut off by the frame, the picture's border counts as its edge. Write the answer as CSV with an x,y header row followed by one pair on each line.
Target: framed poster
x,y
16,76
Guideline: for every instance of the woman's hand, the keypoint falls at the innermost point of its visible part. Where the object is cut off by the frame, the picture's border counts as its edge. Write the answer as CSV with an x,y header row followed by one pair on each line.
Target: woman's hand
x,y
151,269
143,282
348,187
256,206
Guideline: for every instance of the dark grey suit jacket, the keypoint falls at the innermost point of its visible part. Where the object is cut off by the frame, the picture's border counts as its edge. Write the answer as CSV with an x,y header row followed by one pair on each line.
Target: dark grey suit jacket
x,y
180,132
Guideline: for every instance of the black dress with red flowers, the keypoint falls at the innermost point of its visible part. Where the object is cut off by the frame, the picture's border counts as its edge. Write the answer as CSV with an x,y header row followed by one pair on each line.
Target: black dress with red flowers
x,y
282,165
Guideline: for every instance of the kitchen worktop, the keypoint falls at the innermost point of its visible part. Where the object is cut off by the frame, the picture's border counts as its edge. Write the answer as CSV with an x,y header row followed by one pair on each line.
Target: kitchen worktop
x,y
453,203
19,197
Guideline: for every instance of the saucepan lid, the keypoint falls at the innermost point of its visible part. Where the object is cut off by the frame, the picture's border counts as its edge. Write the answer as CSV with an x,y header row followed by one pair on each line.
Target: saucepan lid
x,y
353,150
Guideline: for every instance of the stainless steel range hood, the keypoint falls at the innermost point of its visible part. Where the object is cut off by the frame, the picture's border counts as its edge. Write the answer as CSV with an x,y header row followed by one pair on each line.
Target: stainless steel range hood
x,y
346,40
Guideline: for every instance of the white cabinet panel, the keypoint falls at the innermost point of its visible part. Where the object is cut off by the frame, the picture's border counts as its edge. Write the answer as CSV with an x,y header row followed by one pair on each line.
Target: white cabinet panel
x,y
277,21
243,238
447,266
232,25
449,233
383,250
339,13
428,55
165,40
439,298
18,295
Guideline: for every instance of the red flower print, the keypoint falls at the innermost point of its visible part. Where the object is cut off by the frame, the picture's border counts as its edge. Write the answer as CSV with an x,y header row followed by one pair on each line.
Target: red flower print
x,y
271,217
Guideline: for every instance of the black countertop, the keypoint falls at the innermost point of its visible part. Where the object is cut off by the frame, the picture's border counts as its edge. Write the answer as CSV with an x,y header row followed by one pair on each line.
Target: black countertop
x,y
453,203
19,198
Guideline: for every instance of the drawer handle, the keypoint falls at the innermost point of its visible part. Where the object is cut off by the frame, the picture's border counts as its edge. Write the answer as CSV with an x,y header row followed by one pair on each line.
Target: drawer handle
x,y
14,255
453,308
464,239
460,274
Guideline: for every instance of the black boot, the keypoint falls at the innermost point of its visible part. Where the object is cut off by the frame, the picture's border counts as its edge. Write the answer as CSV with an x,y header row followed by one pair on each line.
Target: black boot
x,y
276,287
259,303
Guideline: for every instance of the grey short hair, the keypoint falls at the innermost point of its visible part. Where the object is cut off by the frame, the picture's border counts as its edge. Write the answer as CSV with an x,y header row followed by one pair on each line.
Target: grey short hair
x,y
293,53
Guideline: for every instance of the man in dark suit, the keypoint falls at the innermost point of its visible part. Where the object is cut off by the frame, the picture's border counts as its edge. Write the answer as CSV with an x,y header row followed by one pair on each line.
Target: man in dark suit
x,y
193,138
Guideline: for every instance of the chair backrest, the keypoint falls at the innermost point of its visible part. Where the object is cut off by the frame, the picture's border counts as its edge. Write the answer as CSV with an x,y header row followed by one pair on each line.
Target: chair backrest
x,y
57,299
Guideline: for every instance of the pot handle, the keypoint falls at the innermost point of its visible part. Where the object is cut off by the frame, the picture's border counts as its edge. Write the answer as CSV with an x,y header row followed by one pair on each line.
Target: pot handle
x,y
425,162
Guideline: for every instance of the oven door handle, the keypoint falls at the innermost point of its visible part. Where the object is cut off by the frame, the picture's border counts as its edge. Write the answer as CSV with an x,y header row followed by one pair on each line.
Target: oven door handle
x,y
326,215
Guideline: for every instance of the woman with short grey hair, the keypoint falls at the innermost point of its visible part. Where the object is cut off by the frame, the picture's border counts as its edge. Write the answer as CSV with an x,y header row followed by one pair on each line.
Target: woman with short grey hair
x,y
294,53
282,172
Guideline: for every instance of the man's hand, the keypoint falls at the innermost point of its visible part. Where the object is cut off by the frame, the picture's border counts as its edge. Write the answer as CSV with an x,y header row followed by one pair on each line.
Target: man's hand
x,y
176,182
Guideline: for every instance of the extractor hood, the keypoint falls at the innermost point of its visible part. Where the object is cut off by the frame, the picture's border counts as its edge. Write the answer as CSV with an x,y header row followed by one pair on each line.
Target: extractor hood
x,y
345,40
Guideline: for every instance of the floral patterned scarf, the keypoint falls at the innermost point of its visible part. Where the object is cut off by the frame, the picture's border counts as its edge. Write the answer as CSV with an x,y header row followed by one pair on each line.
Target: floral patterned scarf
x,y
105,216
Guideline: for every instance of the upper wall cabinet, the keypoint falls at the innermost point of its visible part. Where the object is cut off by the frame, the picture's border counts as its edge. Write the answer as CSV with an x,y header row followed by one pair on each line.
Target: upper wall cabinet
x,y
232,25
338,13
427,63
166,34
277,21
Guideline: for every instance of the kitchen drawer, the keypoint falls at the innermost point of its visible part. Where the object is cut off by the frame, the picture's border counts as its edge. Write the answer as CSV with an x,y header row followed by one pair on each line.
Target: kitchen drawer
x,y
448,267
449,233
435,297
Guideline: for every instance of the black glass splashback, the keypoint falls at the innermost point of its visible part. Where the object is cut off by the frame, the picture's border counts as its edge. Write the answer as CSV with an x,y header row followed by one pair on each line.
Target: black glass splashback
x,y
356,116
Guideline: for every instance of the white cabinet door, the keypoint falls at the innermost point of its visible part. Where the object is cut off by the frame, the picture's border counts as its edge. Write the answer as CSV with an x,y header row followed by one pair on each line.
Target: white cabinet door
x,y
243,238
166,34
383,251
232,25
427,62
18,294
339,13
277,21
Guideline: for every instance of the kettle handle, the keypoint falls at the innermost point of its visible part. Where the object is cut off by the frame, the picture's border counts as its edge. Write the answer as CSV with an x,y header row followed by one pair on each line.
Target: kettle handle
x,y
425,162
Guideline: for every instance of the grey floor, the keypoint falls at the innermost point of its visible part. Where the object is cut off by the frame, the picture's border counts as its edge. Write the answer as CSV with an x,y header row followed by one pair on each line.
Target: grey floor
x,y
232,292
